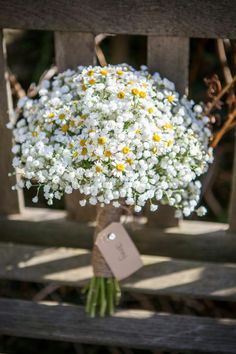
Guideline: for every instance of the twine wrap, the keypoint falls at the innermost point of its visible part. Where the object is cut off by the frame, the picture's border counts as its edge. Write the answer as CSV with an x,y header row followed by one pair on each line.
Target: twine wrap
x,y
105,216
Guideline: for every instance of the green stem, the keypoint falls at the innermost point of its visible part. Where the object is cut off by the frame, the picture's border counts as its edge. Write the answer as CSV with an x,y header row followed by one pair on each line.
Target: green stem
x,y
94,298
103,304
110,296
117,292
85,289
102,296
90,293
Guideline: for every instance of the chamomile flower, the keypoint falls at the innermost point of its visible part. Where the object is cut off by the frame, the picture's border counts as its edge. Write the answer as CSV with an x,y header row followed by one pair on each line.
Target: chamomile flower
x,y
113,132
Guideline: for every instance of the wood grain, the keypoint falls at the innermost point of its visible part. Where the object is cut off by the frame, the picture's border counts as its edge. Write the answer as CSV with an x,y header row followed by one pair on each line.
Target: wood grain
x,y
11,201
159,276
73,49
195,18
194,240
170,57
127,328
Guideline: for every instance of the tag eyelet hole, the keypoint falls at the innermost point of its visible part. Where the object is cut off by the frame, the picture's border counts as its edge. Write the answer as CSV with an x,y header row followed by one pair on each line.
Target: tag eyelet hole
x,y
111,236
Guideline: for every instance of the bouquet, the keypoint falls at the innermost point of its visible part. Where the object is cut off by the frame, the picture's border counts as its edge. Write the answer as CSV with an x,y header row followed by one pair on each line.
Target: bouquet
x,y
121,137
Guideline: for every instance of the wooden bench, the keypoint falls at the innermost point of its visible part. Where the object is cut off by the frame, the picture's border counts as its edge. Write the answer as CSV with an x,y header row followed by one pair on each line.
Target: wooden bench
x,y
129,328
192,260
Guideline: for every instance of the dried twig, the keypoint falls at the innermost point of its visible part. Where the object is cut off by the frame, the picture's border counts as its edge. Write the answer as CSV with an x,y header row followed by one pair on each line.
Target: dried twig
x,y
217,98
47,75
47,290
16,87
223,60
100,55
224,129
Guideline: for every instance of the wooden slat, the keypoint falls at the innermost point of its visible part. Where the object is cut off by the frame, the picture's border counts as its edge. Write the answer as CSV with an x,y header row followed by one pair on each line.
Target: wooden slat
x,y
194,240
232,208
73,49
11,201
170,57
195,18
127,328
159,276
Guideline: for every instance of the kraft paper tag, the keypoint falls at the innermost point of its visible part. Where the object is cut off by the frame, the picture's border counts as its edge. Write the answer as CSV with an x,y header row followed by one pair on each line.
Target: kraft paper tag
x,y
119,251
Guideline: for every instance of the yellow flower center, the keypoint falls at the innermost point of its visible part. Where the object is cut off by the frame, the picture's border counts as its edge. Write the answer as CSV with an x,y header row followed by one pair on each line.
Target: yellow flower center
x,y
84,116
144,84
71,145
101,140
142,94
103,72
154,149
156,137
62,116
35,134
120,72
75,154
167,126
83,87
121,94
125,150
98,169
50,115
170,98
84,151
120,167
169,142
90,73
137,131
150,110
108,153
92,81
130,161
83,142
135,91
65,128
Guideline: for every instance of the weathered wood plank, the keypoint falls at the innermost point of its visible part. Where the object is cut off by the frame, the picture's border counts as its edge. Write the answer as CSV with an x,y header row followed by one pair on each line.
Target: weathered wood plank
x,y
11,201
127,328
159,276
73,49
170,57
195,18
194,240
232,208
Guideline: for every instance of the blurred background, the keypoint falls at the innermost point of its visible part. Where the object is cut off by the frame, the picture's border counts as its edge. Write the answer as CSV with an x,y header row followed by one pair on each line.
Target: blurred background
x,y
31,54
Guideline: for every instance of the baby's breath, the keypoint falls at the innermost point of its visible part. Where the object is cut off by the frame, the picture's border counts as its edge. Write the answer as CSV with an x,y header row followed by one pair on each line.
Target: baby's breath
x,y
113,133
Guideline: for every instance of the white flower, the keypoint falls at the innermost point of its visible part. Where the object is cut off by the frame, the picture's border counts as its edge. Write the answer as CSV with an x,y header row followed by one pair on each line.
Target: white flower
x,y
137,208
68,190
113,132
201,211
153,207
35,199
10,125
